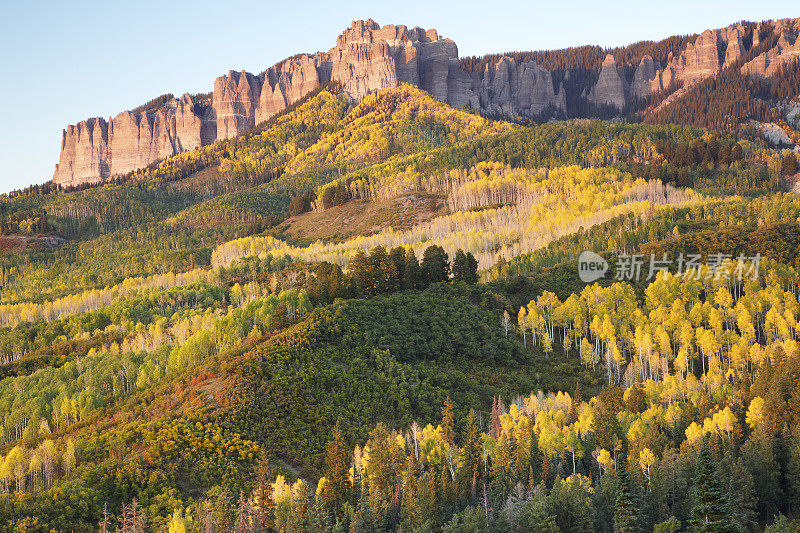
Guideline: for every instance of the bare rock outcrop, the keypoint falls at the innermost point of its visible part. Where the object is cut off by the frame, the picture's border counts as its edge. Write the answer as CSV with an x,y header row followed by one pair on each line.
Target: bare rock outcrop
x,y
368,57
287,83
646,78
710,52
506,88
194,124
96,149
84,153
363,62
611,87
700,60
785,50
236,97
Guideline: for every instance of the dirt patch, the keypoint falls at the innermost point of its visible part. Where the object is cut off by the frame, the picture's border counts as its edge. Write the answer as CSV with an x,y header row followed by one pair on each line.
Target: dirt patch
x,y
10,244
210,388
362,217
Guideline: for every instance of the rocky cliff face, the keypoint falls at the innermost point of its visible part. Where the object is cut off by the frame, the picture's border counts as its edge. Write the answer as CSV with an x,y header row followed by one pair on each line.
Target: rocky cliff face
x,y
646,78
96,149
368,57
611,87
505,87
84,153
705,57
786,49
287,83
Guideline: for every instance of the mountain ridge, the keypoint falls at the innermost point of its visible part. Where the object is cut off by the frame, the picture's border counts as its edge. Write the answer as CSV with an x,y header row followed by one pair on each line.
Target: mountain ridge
x,y
368,57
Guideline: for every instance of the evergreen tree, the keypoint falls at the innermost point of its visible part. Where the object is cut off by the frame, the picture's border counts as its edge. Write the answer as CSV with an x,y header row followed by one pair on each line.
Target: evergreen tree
x,y
364,519
381,271
626,513
535,515
359,273
448,433
740,487
502,470
494,428
671,525
410,510
264,512
459,266
223,512
465,267
430,499
472,269
471,456
412,274
336,489
710,512
398,259
635,401
793,467
435,265
789,165
536,460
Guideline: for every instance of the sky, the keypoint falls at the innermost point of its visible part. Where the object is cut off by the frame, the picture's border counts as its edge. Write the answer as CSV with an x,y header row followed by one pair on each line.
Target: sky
x,y
62,62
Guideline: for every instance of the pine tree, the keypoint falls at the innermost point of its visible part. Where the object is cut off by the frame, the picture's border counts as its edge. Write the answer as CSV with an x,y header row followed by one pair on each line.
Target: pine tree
x,y
364,520
502,470
547,470
410,511
738,482
448,433
301,507
262,491
359,272
412,274
635,399
710,512
446,488
471,471
460,266
337,471
793,466
223,511
472,269
430,499
494,429
626,512
465,267
536,461
382,271
435,265
398,259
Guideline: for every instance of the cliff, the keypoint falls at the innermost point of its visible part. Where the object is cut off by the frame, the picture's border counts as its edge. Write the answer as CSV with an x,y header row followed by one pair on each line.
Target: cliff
x,y
368,57
96,149
785,50
611,88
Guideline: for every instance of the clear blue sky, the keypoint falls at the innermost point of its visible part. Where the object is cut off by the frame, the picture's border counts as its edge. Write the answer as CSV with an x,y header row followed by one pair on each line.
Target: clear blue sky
x,y
63,61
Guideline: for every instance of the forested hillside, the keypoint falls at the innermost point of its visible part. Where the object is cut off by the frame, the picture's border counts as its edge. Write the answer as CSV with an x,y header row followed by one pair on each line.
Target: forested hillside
x,y
369,316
